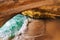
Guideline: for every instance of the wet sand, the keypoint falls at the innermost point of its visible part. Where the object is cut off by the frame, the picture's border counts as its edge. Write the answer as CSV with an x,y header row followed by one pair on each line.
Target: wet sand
x,y
52,29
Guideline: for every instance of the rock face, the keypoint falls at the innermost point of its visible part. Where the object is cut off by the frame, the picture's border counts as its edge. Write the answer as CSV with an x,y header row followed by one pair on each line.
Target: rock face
x,y
9,8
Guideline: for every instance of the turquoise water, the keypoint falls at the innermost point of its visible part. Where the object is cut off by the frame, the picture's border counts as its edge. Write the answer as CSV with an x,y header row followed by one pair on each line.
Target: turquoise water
x,y
11,27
